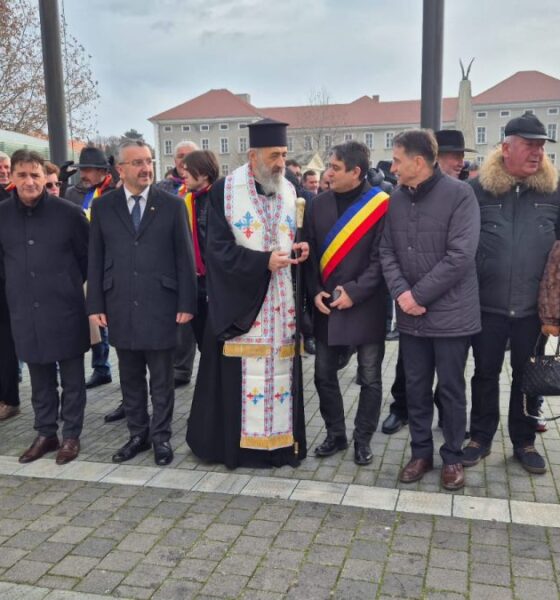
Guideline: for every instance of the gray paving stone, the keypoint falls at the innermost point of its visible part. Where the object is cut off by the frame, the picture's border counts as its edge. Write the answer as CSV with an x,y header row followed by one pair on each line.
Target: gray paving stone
x,y
57,582
224,586
94,547
51,552
26,571
100,581
327,555
446,579
238,564
454,559
272,580
367,550
177,590
74,566
402,586
223,533
529,589
259,528
70,534
27,540
10,556
138,542
408,564
147,576
194,569
350,589
118,560
491,574
490,592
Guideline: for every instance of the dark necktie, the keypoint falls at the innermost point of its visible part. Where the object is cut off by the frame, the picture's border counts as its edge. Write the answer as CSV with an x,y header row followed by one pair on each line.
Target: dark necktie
x,y
136,212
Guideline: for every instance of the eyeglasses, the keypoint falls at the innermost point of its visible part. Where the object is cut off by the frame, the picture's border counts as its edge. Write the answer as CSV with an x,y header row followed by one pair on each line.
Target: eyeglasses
x,y
138,162
52,184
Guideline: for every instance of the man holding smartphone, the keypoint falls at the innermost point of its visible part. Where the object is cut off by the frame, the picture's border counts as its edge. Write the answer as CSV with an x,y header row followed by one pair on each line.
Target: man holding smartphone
x,y
344,276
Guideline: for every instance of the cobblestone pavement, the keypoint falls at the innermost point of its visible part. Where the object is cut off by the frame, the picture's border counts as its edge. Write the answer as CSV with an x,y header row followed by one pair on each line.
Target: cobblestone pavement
x,y
92,529
134,542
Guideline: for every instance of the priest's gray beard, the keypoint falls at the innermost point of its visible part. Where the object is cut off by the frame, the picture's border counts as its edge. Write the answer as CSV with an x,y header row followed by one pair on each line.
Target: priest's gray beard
x,y
270,179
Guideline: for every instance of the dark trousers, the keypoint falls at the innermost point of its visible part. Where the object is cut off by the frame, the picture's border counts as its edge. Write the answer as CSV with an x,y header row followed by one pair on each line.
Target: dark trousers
x,y
398,391
184,353
489,347
9,367
100,354
134,388
46,400
198,324
422,357
370,357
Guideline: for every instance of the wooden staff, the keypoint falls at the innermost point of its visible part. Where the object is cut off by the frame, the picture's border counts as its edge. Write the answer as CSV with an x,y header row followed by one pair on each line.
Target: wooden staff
x,y
296,371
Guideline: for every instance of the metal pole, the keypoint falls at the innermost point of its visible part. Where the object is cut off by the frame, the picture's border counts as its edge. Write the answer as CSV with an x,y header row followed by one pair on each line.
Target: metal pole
x,y
432,64
54,80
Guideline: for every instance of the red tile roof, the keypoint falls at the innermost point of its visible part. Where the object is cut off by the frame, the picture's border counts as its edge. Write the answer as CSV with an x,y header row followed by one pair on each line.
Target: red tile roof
x,y
210,105
523,86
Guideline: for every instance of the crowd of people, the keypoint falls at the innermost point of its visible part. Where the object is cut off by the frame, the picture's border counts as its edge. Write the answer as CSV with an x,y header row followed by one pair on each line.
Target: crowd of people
x,y
466,257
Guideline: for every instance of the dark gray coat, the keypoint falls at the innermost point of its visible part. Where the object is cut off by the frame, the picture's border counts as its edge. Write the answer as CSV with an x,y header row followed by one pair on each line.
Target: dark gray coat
x,y
141,280
519,225
429,246
43,253
359,273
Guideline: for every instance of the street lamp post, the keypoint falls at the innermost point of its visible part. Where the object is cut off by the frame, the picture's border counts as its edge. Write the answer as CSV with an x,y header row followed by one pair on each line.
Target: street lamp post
x,y
432,64
54,80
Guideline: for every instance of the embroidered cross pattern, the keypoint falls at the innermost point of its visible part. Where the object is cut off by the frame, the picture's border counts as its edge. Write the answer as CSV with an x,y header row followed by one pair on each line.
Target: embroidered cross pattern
x,y
255,396
247,224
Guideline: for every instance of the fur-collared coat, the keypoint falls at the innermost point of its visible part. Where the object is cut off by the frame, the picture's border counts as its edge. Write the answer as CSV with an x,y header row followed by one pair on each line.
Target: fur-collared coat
x,y
519,225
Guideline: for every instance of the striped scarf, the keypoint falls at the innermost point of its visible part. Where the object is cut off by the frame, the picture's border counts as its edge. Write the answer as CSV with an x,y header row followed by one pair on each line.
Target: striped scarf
x,y
190,202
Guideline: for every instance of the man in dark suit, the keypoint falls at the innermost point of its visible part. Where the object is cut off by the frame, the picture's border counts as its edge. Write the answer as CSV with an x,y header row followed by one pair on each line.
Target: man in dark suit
x,y
344,275
43,257
142,283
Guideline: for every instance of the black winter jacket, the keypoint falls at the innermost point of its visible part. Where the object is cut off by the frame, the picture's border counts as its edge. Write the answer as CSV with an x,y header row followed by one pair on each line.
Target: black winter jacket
x,y
519,225
428,246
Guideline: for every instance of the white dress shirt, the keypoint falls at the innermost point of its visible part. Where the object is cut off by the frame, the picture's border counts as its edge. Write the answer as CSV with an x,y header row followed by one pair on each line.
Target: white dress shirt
x,y
143,201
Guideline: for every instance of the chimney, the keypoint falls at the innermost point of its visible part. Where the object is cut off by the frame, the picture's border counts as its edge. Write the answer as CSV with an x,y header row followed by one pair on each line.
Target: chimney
x,y
375,98
244,97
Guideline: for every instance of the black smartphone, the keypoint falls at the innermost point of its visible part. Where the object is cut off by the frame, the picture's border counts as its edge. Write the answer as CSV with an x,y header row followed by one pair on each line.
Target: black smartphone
x,y
335,295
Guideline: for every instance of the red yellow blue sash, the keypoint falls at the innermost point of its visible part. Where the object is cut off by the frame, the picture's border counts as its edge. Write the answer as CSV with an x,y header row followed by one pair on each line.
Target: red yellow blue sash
x,y
95,193
351,226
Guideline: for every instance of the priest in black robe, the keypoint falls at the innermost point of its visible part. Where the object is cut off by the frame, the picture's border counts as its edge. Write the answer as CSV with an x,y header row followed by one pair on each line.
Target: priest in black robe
x,y
247,409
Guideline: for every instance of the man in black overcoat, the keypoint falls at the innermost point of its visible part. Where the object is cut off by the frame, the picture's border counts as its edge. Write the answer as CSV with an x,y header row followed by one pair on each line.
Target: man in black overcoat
x,y
344,277
142,283
43,255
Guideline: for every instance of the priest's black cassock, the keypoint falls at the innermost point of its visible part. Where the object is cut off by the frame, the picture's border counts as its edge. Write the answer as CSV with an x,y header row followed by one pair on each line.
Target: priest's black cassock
x,y
237,283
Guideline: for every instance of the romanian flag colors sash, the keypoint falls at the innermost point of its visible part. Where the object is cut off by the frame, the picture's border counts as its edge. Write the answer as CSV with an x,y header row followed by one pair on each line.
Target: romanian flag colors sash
x,y
352,225
95,193
190,202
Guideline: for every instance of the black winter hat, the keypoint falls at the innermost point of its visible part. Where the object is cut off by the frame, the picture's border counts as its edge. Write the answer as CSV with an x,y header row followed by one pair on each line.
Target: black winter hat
x,y
268,133
93,157
527,126
451,140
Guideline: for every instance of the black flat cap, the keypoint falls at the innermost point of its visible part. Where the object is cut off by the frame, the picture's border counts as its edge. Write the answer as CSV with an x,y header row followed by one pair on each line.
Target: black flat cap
x,y
268,133
527,126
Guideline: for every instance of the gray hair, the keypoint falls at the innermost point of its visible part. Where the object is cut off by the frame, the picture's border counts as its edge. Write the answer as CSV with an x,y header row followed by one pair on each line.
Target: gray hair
x,y
4,156
185,144
130,144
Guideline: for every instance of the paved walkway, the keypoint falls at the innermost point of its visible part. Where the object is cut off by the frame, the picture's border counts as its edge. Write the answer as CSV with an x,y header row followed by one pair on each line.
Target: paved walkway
x,y
327,529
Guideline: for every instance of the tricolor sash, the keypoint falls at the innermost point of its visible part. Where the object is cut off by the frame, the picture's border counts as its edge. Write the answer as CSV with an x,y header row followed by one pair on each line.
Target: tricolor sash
x,y
95,193
351,226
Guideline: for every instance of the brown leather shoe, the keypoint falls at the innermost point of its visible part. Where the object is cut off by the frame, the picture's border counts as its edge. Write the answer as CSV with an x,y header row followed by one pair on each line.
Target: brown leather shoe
x,y
40,446
68,451
7,411
453,476
416,469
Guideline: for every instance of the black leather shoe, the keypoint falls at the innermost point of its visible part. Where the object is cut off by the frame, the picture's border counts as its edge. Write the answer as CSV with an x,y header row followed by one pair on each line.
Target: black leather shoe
x,y
97,379
331,446
392,424
181,382
134,445
163,453
362,454
115,415
309,345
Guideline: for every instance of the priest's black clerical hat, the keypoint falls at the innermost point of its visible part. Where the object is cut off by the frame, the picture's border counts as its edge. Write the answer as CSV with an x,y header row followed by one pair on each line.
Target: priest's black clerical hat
x,y
268,133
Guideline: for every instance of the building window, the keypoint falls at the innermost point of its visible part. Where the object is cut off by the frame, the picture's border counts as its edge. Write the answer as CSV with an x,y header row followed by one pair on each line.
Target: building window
x,y
389,135
185,128
368,140
481,135
224,126
242,144
505,113
551,131
348,137
481,114
224,145
552,156
225,170
290,144
168,129
327,142
168,147
204,144
205,127
479,160
242,125
553,110
502,133
308,143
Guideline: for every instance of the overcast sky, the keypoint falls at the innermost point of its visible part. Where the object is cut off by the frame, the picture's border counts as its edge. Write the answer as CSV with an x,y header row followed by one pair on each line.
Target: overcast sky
x,y
150,55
